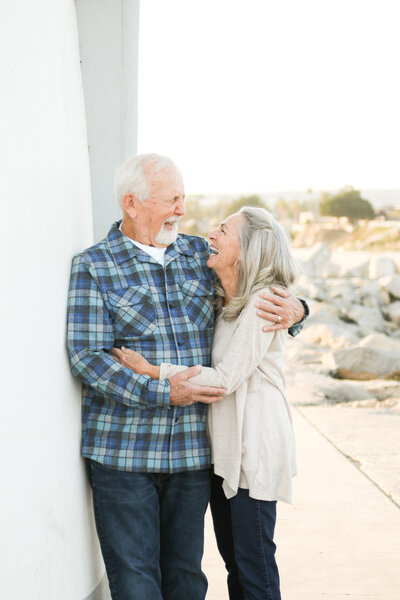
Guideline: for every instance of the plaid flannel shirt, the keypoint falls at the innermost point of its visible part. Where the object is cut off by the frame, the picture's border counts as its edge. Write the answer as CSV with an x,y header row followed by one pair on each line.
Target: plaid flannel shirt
x,y
120,296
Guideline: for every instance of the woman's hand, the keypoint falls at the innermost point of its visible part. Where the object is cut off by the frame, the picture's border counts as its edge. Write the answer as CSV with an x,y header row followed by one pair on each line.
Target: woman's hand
x,y
135,361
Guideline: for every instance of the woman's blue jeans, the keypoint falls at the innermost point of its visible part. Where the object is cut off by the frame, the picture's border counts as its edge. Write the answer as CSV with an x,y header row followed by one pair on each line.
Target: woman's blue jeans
x,y
244,529
151,531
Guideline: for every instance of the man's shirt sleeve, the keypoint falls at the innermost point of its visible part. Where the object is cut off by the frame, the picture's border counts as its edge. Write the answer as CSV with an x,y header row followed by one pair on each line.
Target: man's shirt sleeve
x,y
90,339
297,327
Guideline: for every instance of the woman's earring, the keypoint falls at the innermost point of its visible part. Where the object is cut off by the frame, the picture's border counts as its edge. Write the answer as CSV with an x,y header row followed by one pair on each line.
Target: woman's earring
x,y
235,263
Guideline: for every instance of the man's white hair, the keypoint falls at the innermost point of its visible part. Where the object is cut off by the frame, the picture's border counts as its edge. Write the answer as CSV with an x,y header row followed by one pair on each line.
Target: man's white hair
x,y
134,175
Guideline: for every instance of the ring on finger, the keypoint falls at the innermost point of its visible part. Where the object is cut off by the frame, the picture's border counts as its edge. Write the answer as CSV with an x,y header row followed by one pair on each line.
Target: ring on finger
x,y
279,319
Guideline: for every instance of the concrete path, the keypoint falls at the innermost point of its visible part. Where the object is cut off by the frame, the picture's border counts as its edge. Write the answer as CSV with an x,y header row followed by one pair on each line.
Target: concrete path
x,y
340,540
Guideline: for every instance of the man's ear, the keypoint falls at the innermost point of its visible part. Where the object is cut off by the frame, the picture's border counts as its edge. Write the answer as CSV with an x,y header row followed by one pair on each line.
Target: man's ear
x,y
130,204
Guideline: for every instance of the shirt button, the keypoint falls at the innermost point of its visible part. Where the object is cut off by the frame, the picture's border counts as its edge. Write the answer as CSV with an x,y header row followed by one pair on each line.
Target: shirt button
x,y
177,420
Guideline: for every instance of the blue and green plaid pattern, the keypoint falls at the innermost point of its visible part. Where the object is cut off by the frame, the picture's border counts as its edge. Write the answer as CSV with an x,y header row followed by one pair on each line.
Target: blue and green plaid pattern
x,y
120,296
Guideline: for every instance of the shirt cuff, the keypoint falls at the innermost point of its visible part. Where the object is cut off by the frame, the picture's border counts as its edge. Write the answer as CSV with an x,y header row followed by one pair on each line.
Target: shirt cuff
x,y
297,327
156,393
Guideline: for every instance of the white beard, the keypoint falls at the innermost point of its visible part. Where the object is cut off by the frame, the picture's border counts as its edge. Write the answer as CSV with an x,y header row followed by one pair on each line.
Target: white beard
x,y
165,236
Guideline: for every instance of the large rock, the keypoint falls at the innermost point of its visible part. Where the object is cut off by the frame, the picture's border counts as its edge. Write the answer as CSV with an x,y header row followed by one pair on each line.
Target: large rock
x,y
299,352
333,335
342,291
366,363
372,294
384,298
325,328
308,388
335,391
361,270
370,288
320,312
391,284
392,312
371,301
317,260
383,389
381,266
331,270
311,290
367,319
380,341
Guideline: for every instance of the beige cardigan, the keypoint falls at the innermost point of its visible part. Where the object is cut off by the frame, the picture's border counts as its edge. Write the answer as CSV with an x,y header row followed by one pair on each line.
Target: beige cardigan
x,y
250,429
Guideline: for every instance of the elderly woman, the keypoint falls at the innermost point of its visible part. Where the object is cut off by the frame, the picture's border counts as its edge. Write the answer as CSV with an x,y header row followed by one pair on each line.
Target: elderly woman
x,y
253,449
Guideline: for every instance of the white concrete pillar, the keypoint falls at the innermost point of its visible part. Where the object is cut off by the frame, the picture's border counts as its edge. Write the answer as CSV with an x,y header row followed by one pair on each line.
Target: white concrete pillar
x,y
49,548
108,39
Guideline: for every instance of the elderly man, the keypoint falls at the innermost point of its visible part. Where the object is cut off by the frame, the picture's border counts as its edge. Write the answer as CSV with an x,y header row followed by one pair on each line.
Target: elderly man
x,y
146,288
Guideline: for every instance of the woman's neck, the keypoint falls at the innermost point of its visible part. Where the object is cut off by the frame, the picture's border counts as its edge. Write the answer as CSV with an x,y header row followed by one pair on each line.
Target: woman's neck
x,y
229,281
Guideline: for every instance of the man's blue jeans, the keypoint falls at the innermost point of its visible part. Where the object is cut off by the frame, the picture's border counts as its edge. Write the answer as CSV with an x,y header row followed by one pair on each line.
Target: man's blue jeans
x,y
244,529
151,531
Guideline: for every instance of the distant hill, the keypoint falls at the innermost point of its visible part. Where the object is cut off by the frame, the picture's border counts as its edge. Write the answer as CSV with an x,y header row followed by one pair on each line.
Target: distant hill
x,y
381,198
365,235
378,198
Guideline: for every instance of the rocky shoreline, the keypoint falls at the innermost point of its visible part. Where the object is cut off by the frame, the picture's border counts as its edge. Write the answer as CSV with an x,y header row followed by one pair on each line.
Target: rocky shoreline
x,y
348,357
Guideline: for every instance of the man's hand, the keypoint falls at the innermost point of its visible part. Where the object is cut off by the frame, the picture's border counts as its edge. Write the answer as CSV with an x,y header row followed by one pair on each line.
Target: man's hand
x,y
183,393
281,307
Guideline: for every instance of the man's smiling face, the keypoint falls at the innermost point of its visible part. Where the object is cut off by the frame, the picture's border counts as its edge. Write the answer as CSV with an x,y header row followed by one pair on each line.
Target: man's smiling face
x,y
164,207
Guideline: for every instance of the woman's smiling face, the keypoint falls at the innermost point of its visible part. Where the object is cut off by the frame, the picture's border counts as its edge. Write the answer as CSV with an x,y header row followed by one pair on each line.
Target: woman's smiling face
x,y
225,244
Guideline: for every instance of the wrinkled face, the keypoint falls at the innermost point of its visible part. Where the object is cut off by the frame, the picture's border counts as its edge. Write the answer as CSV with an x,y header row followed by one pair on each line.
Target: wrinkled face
x,y
164,207
225,244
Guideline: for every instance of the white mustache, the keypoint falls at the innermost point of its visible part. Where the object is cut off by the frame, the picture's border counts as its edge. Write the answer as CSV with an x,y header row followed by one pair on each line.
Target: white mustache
x,y
173,220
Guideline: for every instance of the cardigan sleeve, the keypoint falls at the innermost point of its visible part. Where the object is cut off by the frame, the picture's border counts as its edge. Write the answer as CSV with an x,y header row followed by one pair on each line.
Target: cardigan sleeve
x,y
247,348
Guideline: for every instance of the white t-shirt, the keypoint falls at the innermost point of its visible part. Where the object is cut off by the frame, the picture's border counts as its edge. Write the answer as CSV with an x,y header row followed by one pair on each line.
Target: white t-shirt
x,y
156,253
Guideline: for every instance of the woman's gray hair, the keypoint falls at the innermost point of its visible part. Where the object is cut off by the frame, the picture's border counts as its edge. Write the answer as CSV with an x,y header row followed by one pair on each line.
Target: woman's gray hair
x,y
265,259
132,177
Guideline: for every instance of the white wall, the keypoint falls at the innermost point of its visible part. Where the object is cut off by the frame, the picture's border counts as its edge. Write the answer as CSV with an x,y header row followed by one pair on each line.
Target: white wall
x,y
48,545
108,40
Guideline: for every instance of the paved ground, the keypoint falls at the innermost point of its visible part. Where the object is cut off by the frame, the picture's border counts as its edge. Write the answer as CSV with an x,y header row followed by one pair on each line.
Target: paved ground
x,y
369,436
340,540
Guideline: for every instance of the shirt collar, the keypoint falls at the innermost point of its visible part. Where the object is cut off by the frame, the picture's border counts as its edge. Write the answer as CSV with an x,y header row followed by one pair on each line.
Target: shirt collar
x,y
123,250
